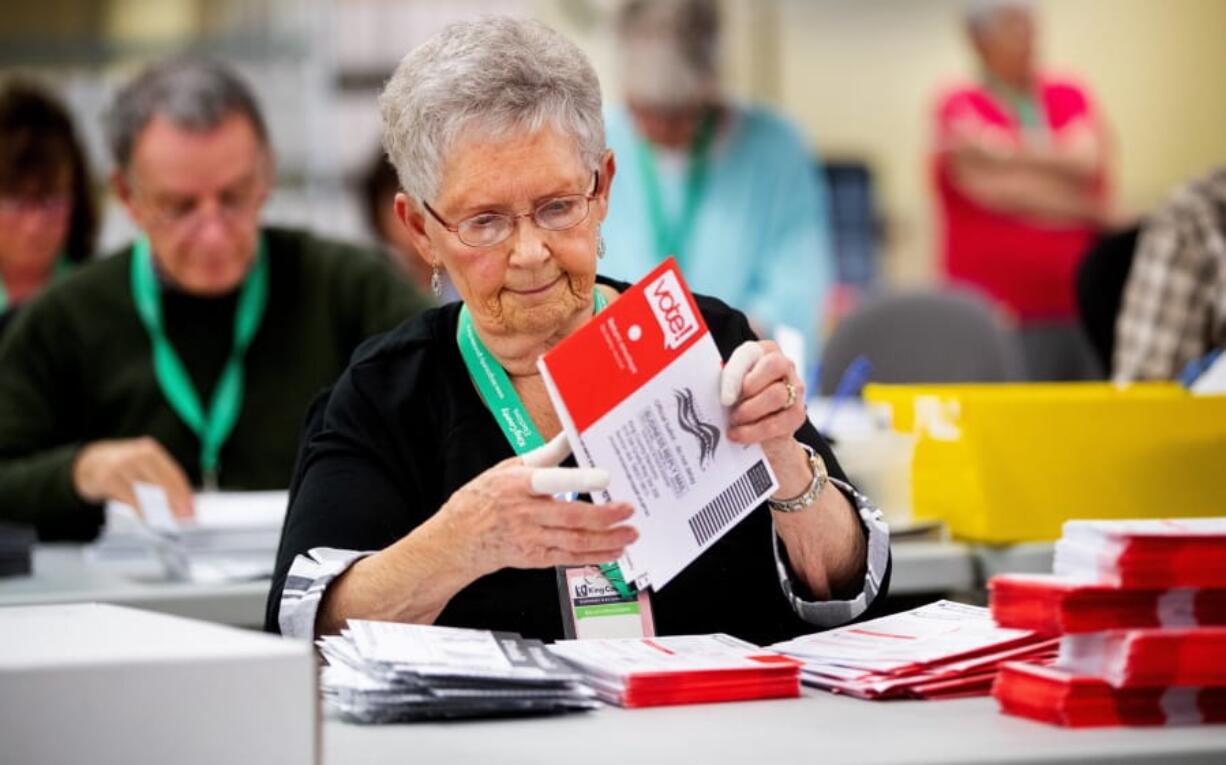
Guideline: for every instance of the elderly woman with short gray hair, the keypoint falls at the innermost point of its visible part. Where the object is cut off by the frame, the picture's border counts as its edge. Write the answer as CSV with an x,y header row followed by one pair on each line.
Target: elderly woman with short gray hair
x,y
412,504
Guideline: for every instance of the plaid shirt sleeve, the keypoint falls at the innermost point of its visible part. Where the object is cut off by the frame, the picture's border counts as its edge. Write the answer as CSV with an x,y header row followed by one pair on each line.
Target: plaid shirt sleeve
x,y
832,613
309,575
1172,308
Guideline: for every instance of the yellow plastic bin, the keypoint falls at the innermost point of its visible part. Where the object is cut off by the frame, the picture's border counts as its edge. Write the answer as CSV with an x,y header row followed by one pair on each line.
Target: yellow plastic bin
x,y
1011,462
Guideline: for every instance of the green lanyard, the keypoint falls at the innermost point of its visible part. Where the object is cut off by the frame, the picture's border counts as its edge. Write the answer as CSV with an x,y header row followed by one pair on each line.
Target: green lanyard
x,y
671,237
508,408
62,267
214,426
1027,106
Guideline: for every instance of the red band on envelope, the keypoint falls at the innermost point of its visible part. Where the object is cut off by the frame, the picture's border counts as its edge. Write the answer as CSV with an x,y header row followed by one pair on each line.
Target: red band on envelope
x,y
631,341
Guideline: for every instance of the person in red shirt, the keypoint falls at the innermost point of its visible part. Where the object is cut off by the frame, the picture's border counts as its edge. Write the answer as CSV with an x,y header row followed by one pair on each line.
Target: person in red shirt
x,y
1021,176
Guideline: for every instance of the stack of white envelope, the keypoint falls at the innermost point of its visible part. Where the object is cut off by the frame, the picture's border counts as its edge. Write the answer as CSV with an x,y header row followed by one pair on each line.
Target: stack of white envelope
x,y
232,536
381,672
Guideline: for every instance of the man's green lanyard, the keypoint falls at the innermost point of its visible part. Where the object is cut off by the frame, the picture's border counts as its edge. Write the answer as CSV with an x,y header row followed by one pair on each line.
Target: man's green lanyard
x,y
672,236
216,424
508,408
62,267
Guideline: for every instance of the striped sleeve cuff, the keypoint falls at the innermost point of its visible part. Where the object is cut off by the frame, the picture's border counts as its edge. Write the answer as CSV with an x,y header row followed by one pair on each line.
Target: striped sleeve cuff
x,y
308,577
832,613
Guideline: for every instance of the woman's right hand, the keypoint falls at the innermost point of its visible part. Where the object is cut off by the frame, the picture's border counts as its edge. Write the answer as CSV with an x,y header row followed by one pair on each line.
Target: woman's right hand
x,y
507,517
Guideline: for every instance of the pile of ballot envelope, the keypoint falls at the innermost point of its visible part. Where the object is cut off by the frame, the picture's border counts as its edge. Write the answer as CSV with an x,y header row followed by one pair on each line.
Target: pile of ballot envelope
x,y
389,672
941,650
680,669
1140,608
231,536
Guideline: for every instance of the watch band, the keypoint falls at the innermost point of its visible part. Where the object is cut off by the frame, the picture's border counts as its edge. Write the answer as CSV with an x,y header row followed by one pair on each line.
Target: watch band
x,y
806,498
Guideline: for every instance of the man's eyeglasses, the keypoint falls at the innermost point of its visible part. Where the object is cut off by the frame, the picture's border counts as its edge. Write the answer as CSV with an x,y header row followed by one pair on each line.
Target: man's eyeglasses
x,y
232,205
490,228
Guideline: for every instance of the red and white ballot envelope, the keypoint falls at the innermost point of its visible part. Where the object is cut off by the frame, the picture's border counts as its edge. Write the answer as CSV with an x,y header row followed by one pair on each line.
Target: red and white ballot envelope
x,y
939,650
637,391
1148,553
1185,657
1058,605
1063,697
680,669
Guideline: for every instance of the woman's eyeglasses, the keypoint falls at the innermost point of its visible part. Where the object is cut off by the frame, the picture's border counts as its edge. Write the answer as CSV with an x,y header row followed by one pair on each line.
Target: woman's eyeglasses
x,y
490,228
48,204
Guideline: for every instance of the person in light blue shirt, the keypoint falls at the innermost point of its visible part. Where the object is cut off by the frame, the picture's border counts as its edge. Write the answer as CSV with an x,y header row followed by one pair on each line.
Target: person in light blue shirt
x,y
731,191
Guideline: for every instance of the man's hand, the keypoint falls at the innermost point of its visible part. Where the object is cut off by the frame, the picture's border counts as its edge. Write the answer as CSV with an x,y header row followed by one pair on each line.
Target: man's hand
x,y
107,470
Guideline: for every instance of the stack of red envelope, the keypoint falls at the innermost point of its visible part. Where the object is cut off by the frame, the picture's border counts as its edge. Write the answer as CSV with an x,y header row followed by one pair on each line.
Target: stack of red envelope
x,y
1152,554
1141,607
1058,696
1058,605
680,669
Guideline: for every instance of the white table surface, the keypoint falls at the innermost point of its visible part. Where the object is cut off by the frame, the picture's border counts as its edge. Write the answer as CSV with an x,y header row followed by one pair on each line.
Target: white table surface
x,y
63,573
817,730
820,728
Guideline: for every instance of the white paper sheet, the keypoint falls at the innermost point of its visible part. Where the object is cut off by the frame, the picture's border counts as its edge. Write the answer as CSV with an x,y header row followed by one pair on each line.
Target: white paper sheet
x,y
232,537
637,390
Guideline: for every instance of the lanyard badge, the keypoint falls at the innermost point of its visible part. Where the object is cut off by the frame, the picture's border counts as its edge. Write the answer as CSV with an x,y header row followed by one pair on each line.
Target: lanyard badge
x,y
593,608
596,601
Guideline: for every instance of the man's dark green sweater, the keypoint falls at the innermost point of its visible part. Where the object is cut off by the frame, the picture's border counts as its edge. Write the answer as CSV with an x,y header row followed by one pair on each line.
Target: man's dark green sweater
x,y
76,367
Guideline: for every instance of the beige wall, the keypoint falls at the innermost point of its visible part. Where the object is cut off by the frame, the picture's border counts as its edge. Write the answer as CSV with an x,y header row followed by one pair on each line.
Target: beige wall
x,y
860,77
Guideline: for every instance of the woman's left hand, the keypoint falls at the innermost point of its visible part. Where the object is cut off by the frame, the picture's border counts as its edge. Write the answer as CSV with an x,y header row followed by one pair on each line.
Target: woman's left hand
x,y
766,395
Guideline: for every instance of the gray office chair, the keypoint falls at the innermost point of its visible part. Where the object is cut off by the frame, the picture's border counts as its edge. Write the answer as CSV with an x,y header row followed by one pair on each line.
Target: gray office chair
x,y
924,337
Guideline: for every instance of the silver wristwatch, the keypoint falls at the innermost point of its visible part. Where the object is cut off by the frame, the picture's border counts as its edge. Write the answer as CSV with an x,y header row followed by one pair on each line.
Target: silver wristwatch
x,y
803,500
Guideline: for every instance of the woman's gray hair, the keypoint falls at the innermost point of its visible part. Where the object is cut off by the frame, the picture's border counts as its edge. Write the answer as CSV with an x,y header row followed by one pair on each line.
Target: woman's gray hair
x,y
498,75
194,94
980,14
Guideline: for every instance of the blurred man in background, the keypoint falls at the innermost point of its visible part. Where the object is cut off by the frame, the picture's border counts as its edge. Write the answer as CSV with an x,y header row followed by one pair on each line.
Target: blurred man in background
x,y
731,191
1021,174
187,359
48,218
1174,307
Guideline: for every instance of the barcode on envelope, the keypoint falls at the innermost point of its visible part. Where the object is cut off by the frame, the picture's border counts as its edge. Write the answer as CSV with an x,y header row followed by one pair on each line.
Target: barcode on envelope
x,y
722,510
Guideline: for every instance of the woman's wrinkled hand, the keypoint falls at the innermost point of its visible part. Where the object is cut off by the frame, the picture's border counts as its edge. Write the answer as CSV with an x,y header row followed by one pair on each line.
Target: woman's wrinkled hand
x,y
508,516
766,395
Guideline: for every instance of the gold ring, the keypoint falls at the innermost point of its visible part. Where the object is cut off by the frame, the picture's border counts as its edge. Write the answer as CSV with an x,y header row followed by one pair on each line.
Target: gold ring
x,y
791,394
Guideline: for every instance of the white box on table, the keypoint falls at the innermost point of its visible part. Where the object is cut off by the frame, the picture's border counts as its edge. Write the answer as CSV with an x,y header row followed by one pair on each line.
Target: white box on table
x,y
107,684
